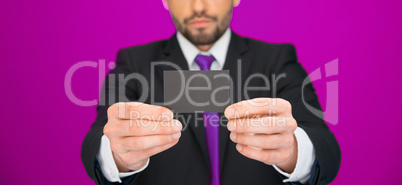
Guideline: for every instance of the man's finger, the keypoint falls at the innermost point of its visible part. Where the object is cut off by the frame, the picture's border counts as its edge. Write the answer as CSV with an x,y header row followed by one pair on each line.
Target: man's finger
x,y
138,110
142,128
264,155
138,143
131,157
264,141
258,106
263,125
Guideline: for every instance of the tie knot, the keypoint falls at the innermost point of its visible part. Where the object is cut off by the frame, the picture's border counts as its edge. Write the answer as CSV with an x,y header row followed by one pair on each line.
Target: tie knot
x,y
204,61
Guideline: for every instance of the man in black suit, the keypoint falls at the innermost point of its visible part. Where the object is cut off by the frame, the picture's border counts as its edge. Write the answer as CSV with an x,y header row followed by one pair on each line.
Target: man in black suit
x,y
289,145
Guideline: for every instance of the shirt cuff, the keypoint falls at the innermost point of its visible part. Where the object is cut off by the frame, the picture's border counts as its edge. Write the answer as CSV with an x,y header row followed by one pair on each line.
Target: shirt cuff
x,y
305,159
107,164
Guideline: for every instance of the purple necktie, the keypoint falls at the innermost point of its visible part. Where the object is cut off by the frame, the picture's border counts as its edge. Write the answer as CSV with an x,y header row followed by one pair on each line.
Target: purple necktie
x,y
211,123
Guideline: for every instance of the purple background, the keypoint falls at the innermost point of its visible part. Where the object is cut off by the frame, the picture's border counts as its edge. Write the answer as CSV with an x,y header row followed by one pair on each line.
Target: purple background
x,y
42,130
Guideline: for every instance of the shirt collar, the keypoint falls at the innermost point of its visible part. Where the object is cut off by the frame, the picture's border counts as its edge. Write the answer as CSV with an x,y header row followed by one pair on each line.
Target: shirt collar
x,y
218,50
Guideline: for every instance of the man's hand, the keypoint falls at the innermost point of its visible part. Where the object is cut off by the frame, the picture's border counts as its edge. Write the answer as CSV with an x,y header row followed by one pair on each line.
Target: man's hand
x,y
137,131
263,130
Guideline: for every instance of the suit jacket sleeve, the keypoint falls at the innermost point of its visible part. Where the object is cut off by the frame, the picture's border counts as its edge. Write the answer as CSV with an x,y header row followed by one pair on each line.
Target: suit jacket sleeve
x,y
290,88
109,95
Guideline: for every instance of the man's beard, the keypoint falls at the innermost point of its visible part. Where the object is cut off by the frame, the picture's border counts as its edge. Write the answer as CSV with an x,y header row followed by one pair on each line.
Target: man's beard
x,y
204,38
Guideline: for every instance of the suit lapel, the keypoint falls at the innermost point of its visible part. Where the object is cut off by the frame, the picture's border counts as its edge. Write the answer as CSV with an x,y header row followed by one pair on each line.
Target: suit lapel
x,y
237,61
174,55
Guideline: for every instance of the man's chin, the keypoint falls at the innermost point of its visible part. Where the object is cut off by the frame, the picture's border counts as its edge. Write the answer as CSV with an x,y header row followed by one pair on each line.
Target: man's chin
x,y
201,37
201,31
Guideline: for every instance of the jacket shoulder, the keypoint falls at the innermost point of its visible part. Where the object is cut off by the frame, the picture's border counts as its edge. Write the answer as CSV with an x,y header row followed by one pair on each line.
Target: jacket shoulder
x,y
262,46
151,47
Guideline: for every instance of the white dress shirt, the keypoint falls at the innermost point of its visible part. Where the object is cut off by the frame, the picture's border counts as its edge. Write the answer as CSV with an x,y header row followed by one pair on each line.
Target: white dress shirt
x,y
305,154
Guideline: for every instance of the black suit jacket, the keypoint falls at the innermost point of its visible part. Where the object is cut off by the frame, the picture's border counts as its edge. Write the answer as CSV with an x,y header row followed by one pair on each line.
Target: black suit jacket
x,y
187,162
